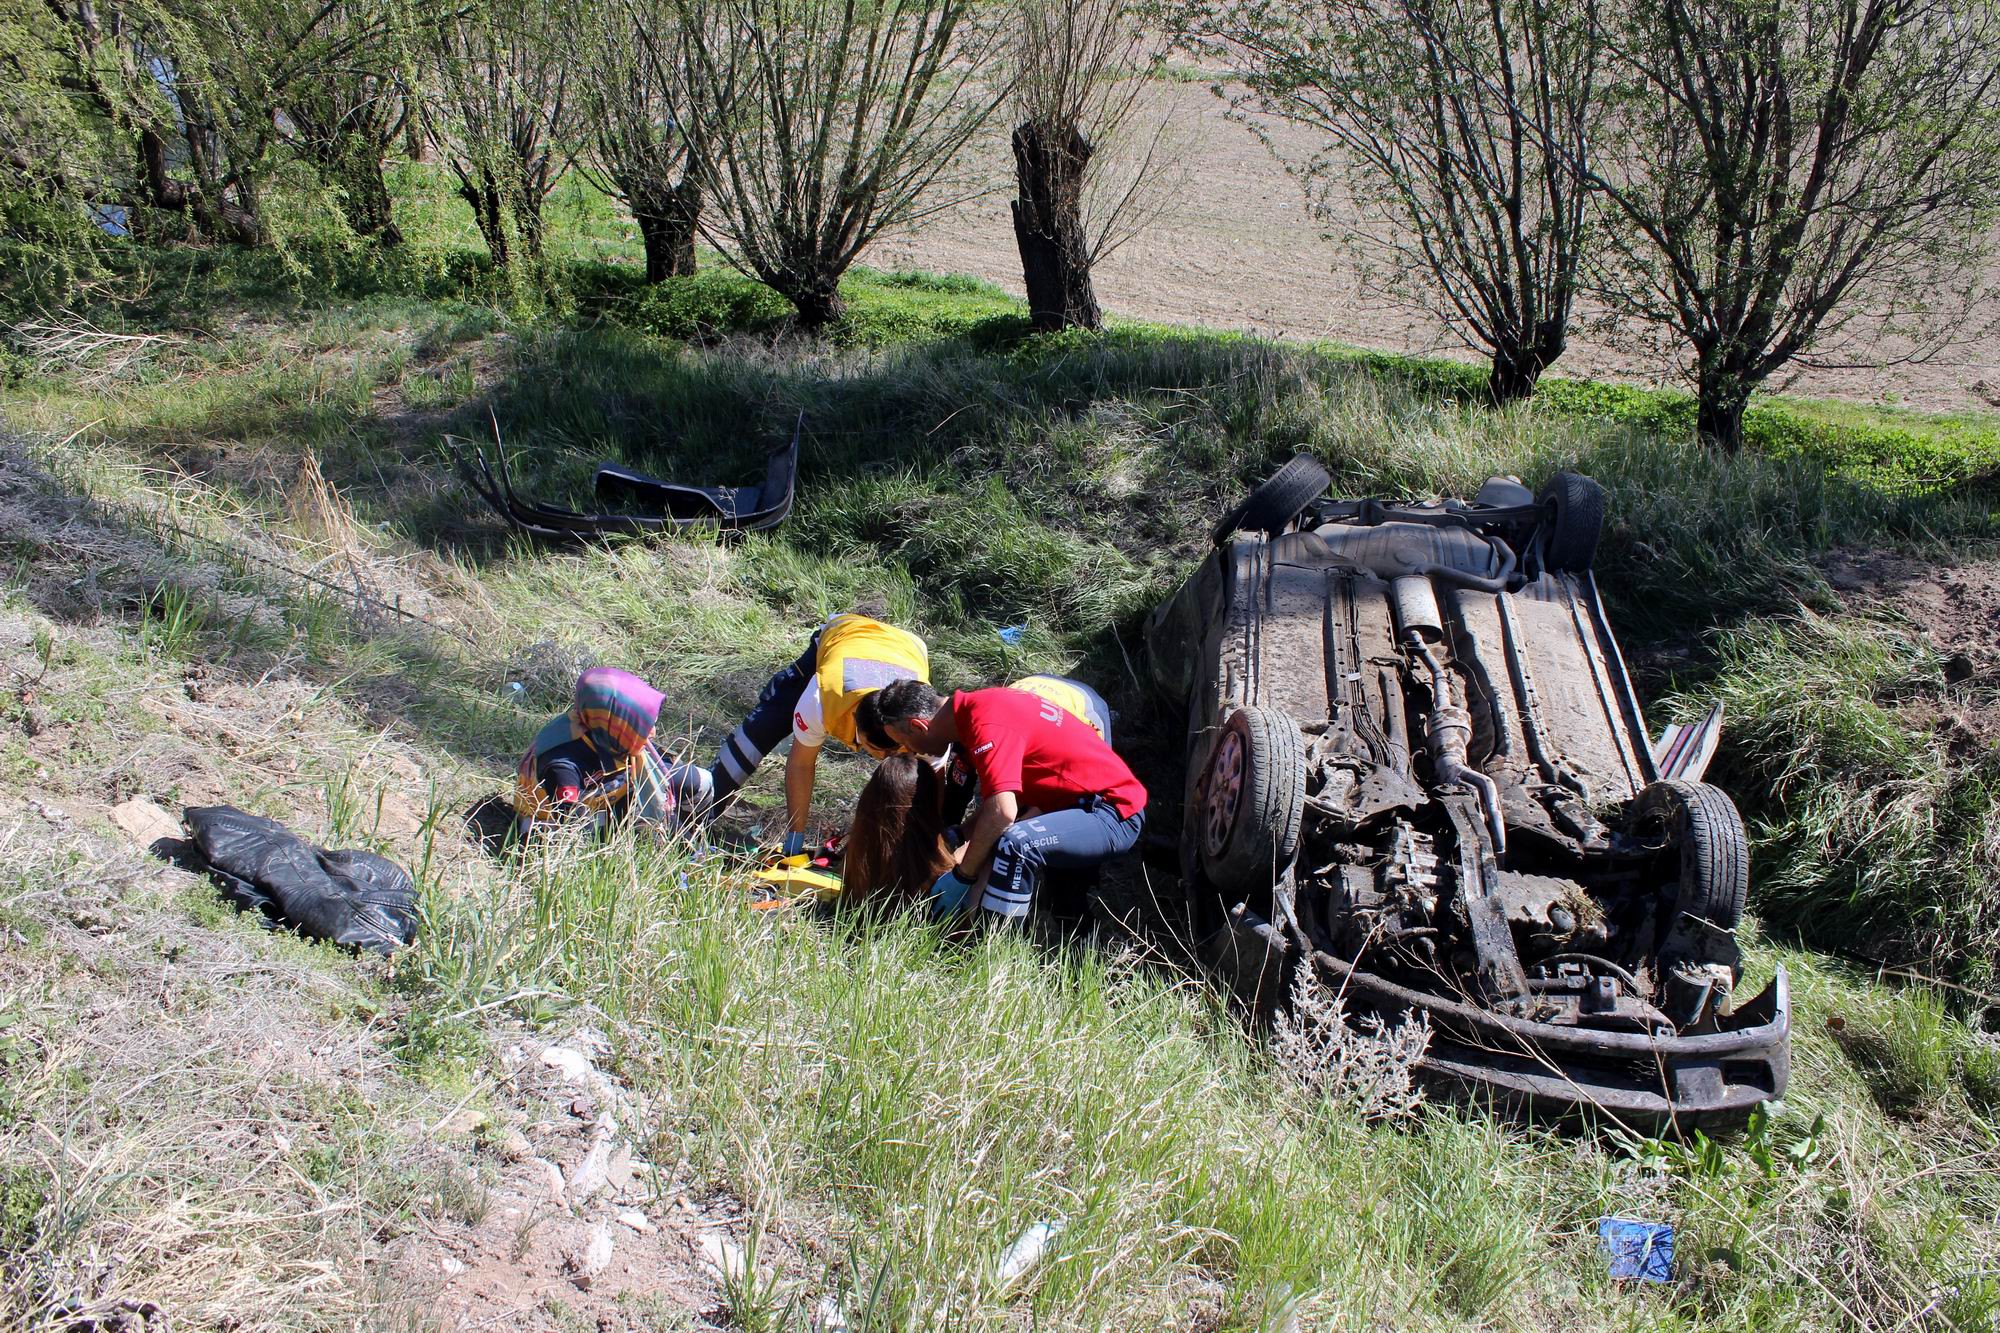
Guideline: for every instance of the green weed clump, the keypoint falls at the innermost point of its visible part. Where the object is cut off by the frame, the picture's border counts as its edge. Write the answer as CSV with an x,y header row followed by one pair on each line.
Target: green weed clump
x,y
1870,832
883,309
1913,1052
703,306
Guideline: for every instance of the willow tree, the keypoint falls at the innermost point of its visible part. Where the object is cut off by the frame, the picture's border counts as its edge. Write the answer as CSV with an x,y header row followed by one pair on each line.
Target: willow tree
x,y
634,146
501,110
345,115
1785,174
184,97
1462,128
1089,152
813,125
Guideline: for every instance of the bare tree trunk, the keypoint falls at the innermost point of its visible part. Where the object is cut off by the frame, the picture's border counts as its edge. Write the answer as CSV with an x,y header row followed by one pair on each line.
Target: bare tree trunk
x,y
364,193
1723,392
528,221
212,214
1518,367
818,301
667,226
1049,167
489,213
493,208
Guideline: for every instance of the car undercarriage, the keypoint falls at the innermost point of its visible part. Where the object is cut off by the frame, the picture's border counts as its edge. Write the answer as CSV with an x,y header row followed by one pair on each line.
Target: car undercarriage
x,y
1417,765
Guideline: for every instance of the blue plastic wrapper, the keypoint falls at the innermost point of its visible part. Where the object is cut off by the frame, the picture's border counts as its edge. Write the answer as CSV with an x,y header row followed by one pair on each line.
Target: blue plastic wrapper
x,y
1011,636
1637,1251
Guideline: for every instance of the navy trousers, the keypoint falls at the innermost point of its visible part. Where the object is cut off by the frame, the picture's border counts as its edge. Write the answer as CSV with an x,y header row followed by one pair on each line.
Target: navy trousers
x,y
770,721
1063,842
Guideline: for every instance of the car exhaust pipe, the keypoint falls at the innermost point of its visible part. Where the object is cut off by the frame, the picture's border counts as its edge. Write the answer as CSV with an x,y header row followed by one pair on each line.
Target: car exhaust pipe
x,y
1448,730
1416,606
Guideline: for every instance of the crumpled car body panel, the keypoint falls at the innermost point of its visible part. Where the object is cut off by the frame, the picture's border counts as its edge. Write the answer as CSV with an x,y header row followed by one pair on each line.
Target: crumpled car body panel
x,y
638,504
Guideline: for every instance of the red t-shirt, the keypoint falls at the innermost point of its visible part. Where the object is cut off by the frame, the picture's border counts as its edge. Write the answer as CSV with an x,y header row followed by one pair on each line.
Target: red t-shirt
x,y
1051,758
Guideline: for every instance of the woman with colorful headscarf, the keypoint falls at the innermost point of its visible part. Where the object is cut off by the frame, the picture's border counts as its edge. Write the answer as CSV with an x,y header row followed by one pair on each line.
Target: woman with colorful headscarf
x,y
598,760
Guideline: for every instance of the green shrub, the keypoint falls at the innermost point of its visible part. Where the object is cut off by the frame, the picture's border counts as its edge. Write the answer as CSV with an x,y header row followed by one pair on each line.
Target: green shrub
x,y
704,306
882,309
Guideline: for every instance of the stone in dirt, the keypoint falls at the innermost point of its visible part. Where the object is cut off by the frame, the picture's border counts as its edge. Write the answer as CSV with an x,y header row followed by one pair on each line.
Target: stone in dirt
x,y
724,1256
575,1065
553,1175
638,1221
464,1122
595,1256
603,1165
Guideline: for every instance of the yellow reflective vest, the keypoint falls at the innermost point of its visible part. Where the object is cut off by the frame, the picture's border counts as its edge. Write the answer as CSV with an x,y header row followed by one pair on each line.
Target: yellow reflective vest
x,y
856,656
1063,694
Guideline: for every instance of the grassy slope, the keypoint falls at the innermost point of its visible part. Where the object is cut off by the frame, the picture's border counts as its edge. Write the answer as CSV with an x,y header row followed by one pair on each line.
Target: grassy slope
x,y
908,1105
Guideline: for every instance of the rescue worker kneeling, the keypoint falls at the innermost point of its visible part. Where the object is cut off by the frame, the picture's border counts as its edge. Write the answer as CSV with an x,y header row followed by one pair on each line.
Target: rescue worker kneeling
x,y
598,761
961,787
849,657
1053,795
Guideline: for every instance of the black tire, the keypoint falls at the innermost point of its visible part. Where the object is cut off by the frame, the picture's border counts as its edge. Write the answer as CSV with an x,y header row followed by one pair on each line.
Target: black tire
x,y
1278,500
1702,822
1576,521
1253,797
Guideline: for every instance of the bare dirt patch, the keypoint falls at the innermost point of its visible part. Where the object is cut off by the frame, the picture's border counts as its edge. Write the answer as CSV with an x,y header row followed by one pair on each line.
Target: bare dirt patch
x,y
1236,249
1955,607
224,1136
1952,608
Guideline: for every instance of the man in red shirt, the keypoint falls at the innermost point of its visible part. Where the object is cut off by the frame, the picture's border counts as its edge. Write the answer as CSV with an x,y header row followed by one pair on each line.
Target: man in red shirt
x,y
1053,796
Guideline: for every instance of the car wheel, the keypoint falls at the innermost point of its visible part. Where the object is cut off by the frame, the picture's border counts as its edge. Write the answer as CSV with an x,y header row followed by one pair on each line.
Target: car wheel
x,y
1702,824
1253,796
1278,501
1576,521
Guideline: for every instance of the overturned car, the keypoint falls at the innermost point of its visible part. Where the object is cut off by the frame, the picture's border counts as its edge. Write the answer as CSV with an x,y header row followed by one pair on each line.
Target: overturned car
x,y
1416,764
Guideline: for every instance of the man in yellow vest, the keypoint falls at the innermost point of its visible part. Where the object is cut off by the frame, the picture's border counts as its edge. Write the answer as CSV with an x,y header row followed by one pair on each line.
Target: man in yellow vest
x,y
850,657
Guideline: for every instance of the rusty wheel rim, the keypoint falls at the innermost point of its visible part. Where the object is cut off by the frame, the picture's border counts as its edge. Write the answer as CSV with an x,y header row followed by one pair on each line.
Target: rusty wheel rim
x,y
1225,792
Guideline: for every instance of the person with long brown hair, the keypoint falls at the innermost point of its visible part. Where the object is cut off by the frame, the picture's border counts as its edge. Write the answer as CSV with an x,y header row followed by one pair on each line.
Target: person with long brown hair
x,y
1054,798
895,847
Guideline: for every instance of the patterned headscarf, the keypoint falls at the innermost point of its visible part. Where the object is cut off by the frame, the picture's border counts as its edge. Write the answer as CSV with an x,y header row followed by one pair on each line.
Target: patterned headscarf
x,y
614,711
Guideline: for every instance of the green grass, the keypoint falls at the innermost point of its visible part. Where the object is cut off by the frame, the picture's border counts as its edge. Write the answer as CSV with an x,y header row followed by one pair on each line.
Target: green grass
x,y
911,1102
1888,448
1870,832
1064,484
930,1100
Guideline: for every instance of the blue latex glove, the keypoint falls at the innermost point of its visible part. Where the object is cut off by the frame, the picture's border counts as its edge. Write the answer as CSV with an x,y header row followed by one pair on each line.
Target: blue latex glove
x,y
948,894
795,844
